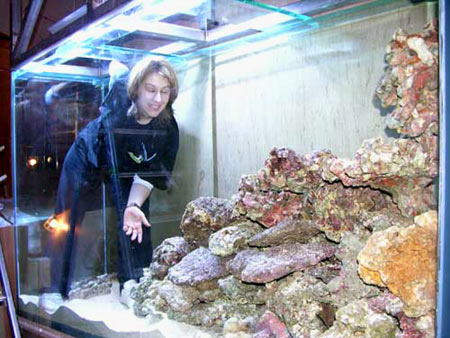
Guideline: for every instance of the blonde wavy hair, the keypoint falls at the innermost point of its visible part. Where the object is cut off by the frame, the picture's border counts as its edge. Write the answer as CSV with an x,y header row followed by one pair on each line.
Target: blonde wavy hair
x,y
137,76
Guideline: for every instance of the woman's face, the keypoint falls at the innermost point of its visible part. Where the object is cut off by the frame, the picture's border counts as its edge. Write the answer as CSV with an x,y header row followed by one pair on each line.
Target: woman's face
x,y
153,95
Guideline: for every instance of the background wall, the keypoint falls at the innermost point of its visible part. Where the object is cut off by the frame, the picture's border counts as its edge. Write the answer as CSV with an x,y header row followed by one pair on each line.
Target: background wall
x,y
315,92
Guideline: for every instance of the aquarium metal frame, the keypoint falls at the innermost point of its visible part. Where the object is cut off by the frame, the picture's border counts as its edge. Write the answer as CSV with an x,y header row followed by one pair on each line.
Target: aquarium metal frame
x,y
443,291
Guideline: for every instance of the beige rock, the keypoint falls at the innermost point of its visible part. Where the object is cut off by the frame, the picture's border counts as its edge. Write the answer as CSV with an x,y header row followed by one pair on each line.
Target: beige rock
x,y
404,261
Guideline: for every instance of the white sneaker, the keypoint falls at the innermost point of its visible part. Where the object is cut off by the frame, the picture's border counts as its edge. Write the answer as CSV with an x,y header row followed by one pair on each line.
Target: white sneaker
x,y
51,302
125,295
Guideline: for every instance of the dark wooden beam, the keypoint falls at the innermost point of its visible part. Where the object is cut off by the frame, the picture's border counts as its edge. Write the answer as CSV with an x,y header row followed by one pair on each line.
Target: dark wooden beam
x,y
32,329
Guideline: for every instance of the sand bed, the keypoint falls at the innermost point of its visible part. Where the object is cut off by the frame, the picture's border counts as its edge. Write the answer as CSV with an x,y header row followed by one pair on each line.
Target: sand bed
x,y
117,317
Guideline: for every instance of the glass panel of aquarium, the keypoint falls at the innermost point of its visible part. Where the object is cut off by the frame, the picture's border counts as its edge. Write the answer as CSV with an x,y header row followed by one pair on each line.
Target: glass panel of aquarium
x,y
273,149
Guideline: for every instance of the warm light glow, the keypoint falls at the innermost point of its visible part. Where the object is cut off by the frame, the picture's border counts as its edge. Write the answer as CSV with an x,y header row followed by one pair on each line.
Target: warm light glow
x,y
32,162
57,223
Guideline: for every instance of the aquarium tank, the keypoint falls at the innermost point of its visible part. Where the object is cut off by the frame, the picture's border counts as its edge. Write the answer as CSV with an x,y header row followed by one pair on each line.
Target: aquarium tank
x,y
294,192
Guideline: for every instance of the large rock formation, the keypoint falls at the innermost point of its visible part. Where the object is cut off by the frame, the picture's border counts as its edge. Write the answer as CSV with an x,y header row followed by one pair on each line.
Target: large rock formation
x,y
169,253
229,240
287,231
198,266
410,83
399,259
316,245
263,266
204,216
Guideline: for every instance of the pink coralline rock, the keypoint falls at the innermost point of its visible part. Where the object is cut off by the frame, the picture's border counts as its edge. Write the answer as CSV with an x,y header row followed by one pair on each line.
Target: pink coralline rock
x,y
404,167
271,207
263,266
415,197
163,295
356,319
229,240
178,298
326,270
411,82
236,328
386,218
243,293
147,299
386,302
300,300
422,327
338,209
197,267
404,261
380,159
287,231
91,287
204,216
167,254
285,170
215,314
249,183
270,326
347,286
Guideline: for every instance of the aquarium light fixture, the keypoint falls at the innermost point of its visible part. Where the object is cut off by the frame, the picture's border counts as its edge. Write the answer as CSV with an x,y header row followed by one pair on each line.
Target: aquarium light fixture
x,y
173,48
38,68
305,18
146,16
167,8
156,9
90,33
257,24
63,53
162,29
250,47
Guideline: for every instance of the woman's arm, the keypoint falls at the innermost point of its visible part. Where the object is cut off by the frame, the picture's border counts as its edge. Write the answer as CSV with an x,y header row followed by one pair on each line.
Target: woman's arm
x,y
133,217
141,189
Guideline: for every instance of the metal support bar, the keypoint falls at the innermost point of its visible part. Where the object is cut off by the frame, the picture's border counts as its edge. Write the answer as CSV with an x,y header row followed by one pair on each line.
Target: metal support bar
x,y
67,20
16,20
443,296
25,35
8,295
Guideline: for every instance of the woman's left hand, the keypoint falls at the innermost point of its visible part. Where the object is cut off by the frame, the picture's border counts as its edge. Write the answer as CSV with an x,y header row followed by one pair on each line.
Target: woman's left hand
x,y
133,218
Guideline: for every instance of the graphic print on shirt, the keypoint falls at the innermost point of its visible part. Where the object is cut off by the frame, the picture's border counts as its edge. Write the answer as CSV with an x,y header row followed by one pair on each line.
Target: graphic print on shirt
x,y
143,157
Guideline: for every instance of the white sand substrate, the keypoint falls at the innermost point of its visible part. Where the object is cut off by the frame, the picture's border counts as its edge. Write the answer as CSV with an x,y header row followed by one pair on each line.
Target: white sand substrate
x,y
119,318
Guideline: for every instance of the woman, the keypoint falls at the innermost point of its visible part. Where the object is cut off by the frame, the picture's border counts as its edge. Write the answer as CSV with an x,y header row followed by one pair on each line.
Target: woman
x,y
132,146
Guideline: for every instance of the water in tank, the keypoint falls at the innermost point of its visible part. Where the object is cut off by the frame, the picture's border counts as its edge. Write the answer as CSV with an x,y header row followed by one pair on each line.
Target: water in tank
x,y
231,168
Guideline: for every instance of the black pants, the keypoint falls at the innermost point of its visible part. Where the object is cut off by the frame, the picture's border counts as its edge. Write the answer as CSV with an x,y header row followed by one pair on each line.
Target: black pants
x,y
77,193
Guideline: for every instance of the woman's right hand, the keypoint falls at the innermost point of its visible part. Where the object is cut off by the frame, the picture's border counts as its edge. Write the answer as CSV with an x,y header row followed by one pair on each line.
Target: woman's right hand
x,y
133,218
